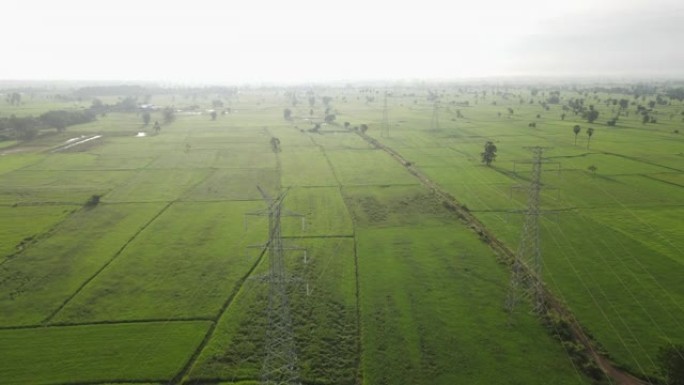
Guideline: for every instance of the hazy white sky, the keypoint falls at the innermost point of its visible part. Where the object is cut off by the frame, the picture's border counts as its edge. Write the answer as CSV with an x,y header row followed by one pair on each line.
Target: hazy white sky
x,y
303,40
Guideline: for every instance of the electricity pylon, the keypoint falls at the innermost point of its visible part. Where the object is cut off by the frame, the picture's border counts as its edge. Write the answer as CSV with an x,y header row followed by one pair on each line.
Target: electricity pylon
x,y
526,275
280,362
434,122
385,129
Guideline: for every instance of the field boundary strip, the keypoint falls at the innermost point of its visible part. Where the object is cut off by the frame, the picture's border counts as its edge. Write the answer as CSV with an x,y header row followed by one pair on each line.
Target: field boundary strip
x,y
607,366
106,322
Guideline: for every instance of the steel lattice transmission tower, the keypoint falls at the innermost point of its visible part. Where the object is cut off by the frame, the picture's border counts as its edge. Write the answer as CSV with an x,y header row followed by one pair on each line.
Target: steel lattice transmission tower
x,y
434,122
280,362
385,130
526,276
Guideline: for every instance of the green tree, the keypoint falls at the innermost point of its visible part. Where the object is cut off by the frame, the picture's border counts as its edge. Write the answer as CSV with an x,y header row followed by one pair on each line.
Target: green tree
x,y
146,117
590,132
593,169
489,153
624,103
169,115
671,359
213,115
592,114
287,114
576,130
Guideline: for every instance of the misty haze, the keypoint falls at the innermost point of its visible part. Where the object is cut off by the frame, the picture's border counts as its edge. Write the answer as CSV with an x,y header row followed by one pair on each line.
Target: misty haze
x,y
436,192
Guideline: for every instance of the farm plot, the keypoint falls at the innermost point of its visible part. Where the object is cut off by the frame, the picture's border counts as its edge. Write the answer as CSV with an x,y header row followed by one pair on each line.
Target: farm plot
x,y
36,282
144,352
390,206
23,225
432,313
157,185
368,167
247,156
627,294
182,266
13,162
233,184
657,228
324,322
306,167
325,213
57,187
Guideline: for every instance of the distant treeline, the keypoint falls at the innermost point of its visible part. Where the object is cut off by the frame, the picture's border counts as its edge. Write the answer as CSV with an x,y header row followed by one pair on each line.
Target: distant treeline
x,y
28,127
131,90
137,91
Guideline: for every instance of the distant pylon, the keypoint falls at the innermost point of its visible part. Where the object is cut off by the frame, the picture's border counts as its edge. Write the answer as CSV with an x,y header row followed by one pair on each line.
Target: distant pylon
x,y
385,130
434,122
526,275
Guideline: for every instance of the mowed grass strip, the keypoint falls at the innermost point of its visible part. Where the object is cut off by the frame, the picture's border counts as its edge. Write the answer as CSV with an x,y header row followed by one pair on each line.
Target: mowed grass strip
x,y
432,313
184,265
22,225
152,352
37,281
324,322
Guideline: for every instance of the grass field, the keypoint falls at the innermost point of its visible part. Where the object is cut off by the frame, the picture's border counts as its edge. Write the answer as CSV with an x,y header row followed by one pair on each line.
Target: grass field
x,y
164,279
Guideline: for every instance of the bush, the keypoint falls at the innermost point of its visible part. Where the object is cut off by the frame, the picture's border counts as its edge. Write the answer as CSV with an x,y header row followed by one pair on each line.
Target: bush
x,y
93,201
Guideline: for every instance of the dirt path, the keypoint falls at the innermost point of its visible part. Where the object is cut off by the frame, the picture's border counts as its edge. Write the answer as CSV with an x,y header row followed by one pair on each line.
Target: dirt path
x,y
619,376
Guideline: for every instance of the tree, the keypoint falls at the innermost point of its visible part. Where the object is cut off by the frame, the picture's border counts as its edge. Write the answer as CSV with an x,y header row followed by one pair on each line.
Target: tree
x,y
624,103
287,114
14,98
671,360
593,169
213,115
146,117
330,118
97,104
590,132
169,115
157,127
592,114
645,119
489,153
563,116
576,130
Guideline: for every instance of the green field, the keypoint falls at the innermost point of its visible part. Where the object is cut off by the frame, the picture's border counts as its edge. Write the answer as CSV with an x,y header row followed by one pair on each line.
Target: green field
x,y
164,279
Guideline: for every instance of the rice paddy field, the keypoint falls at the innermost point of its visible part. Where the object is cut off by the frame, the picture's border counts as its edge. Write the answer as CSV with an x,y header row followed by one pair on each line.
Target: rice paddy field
x,y
165,278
